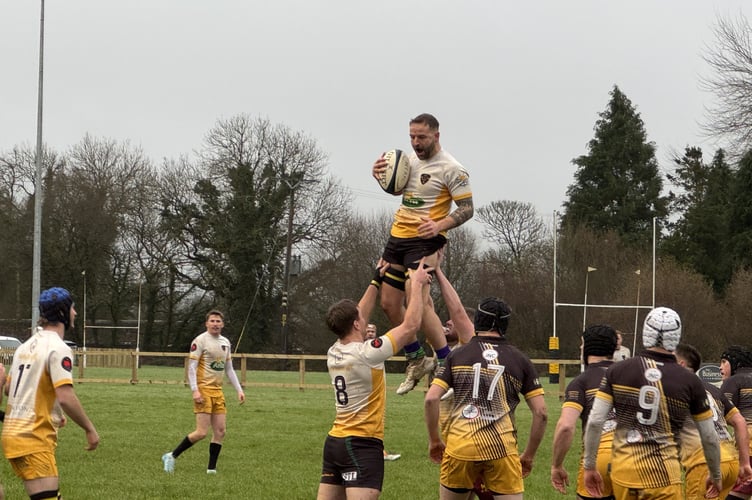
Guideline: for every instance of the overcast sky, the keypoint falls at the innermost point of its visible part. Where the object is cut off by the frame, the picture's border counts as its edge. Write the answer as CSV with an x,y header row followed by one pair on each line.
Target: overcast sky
x,y
516,85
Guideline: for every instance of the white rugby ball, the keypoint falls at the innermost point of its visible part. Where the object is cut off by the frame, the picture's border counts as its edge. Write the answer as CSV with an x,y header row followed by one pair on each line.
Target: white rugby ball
x,y
394,178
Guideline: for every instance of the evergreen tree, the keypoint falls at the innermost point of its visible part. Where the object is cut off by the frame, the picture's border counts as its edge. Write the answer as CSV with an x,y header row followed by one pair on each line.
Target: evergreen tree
x,y
691,177
740,217
699,237
617,185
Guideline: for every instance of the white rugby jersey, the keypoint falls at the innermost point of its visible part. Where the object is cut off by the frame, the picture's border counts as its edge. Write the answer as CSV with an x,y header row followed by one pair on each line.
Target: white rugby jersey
x,y
357,373
32,417
432,186
212,354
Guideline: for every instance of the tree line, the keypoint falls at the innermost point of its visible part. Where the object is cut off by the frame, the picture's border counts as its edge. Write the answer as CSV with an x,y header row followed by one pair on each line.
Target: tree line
x,y
214,230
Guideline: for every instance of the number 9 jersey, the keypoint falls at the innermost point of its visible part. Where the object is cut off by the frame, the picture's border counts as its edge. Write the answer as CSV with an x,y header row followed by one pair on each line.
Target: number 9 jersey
x,y
653,396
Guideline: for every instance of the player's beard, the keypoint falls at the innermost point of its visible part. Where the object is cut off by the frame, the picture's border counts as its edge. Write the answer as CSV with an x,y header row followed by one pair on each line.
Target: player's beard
x,y
427,152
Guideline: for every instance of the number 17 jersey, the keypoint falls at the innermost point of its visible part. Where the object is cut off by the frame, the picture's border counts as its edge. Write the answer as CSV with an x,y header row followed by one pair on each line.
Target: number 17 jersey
x,y
487,375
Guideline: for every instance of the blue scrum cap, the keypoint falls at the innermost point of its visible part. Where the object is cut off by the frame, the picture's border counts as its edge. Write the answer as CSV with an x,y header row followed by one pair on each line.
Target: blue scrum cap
x,y
55,304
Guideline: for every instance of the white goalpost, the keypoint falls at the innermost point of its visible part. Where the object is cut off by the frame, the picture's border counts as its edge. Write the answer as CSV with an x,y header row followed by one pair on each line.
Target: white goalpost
x,y
103,327
554,339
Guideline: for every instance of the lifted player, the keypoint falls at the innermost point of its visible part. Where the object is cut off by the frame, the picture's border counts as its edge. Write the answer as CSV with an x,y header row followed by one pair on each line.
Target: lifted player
x,y
419,230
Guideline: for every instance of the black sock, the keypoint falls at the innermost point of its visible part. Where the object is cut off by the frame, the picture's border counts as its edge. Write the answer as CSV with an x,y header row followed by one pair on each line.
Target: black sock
x,y
184,445
44,495
214,449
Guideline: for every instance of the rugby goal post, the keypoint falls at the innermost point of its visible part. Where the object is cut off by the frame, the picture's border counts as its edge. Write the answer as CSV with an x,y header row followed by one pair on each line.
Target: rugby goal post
x,y
553,342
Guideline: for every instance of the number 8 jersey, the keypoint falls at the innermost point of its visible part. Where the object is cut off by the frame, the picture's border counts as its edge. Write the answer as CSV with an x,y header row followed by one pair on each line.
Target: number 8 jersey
x,y
357,373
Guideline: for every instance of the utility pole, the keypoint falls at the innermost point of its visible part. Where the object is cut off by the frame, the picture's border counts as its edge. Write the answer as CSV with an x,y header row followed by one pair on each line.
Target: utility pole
x,y
37,251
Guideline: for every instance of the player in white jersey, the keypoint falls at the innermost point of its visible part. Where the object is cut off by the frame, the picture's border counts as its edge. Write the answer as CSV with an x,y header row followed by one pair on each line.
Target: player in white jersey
x,y
353,463
40,389
210,358
419,230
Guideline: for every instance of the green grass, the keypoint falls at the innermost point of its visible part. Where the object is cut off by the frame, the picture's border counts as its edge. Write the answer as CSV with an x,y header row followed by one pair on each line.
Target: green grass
x,y
272,449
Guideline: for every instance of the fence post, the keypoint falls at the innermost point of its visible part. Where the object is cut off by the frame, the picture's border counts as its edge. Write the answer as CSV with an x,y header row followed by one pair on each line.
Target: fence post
x,y
562,381
301,365
134,368
80,359
243,360
185,370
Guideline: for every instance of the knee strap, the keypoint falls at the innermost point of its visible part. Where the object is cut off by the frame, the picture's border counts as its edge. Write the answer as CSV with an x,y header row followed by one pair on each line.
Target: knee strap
x,y
395,278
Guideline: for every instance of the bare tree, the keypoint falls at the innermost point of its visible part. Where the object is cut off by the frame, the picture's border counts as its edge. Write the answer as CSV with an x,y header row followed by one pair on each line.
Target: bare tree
x,y
17,175
89,204
730,59
514,225
283,158
17,171
341,270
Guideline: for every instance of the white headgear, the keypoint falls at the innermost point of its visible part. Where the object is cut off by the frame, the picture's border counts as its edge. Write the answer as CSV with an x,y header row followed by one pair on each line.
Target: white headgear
x,y
662,328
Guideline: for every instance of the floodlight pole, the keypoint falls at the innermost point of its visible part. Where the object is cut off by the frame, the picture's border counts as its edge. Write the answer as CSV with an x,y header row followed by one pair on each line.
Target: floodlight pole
x,y
288,256
37,252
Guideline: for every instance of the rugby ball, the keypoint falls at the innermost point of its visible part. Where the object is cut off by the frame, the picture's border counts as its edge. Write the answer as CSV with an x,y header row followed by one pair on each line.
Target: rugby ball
x,y
394,178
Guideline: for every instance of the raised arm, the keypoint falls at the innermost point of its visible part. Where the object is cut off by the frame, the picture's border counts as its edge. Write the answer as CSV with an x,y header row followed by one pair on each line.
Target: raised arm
x,y
462,324
405,331
368,300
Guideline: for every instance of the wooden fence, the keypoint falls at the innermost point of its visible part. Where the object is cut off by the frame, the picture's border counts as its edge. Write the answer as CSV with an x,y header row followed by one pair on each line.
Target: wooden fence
x,y
124,358
119,358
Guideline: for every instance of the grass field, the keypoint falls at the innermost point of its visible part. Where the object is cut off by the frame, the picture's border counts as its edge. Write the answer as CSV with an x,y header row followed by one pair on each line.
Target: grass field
x,y
272,449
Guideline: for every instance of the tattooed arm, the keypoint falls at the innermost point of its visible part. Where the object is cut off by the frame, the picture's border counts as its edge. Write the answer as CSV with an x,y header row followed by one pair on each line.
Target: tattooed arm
x,y
463,213
430,228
